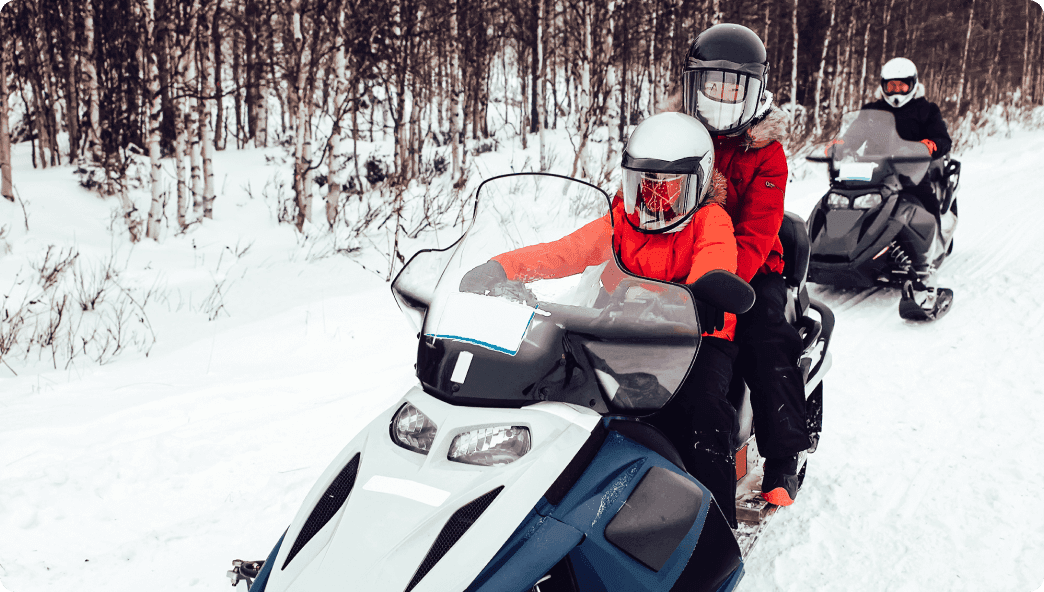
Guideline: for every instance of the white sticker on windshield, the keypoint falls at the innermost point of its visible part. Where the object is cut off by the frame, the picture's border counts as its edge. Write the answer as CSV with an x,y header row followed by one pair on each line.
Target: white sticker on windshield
x,y
856,171
460,369
493,323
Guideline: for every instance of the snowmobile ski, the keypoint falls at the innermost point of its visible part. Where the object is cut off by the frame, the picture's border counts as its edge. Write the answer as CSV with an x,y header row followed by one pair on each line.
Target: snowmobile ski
x,y
911,310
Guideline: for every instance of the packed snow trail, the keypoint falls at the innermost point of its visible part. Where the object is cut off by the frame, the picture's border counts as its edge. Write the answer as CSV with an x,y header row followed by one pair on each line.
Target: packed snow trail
x,y
159,471
928,471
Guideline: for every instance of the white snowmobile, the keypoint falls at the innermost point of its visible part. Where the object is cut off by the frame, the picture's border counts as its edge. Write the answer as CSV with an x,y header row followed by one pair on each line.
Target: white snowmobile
x,y
521,462
870,229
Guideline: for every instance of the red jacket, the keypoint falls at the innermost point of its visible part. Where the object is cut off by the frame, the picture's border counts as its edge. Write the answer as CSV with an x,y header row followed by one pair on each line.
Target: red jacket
x,y
706,243
755,168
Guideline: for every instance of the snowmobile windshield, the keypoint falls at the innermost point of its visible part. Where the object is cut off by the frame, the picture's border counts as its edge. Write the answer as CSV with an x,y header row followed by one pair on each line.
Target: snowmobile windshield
x,y
868,147
566,324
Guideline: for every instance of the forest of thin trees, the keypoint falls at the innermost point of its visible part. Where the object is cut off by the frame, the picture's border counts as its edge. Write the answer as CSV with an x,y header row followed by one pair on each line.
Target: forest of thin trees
x,y
97,83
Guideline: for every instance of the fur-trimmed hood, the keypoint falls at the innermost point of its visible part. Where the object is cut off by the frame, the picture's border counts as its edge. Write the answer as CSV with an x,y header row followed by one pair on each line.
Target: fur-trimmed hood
x,y
769,125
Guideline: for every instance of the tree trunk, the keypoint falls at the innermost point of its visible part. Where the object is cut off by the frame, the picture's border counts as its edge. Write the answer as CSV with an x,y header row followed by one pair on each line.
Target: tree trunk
x,y
580,160
206,107
94,128
1026,80
237,71
72,74
818,127
299,114
884,38
218,98
337,176
964,58
6,186
992,87
152,228
542,91
455,79
866,51
179,163
793,66
654,84
45,93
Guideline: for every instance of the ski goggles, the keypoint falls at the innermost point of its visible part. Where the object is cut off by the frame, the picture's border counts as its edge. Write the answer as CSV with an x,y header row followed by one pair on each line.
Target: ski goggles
x,y
899,86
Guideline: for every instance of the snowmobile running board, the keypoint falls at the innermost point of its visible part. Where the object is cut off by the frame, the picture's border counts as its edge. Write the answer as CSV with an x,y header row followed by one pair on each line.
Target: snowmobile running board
x,y
753,513
911,311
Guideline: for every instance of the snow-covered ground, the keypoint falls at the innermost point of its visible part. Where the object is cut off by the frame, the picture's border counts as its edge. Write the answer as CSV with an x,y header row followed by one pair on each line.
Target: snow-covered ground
x,y
155,472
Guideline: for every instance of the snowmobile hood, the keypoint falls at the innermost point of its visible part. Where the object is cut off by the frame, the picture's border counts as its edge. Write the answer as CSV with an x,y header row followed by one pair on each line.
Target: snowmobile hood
x,y
400,528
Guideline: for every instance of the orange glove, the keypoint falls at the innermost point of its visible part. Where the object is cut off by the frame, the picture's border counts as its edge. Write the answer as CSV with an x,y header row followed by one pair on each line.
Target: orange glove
x,y
930,144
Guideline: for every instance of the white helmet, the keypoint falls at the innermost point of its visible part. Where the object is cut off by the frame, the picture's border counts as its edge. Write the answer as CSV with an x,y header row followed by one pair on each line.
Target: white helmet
x,y
667,166
898,81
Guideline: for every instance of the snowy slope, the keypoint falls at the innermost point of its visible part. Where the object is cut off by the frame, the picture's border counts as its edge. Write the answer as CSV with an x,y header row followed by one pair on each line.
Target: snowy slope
x,y
156,472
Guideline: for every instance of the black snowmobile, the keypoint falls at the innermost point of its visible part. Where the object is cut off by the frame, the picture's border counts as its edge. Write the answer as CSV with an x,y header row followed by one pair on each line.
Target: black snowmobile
x,y
876,226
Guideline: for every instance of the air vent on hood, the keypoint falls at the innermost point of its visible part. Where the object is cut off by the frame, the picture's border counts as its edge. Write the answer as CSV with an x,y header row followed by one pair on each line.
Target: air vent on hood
x,y
331,501
458,524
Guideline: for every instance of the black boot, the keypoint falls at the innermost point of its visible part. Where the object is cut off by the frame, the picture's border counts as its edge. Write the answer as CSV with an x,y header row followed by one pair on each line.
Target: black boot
x,y
717,473
780,483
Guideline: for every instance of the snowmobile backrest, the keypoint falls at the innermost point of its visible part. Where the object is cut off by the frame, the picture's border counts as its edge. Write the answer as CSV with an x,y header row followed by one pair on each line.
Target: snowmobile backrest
x,y
794,236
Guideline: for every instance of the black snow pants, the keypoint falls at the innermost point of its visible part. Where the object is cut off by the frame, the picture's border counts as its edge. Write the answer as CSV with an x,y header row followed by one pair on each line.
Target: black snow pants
x,y
702,424
769,348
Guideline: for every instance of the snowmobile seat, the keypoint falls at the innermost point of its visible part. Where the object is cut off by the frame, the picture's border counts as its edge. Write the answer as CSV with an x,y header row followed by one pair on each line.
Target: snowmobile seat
x,y
796,249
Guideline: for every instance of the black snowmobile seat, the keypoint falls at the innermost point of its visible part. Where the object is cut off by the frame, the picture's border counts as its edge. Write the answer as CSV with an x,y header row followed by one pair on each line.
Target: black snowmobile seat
x,y
796,249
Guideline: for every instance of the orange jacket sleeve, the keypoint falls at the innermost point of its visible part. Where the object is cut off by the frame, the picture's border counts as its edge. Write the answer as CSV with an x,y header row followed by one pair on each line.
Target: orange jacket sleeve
x,y
715,246
571,254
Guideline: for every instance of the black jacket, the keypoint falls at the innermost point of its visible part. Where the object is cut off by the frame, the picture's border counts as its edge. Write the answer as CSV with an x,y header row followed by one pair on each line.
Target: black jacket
x,y
917,120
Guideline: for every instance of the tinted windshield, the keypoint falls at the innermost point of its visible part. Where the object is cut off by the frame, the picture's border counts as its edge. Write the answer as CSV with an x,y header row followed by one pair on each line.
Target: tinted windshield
x,y
587,334
868,141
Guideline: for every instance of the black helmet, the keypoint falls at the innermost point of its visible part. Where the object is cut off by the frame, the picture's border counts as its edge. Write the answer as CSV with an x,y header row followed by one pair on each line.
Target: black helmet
x,y
724,79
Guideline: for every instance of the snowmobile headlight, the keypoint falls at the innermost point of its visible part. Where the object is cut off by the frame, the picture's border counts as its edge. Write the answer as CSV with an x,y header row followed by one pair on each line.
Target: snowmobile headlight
x,y
413,430
491,446
837,201
867,201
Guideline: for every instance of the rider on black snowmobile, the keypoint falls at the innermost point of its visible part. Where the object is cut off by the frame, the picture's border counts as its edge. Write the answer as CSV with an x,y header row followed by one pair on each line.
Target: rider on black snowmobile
x,y
670,226
724,87
917,120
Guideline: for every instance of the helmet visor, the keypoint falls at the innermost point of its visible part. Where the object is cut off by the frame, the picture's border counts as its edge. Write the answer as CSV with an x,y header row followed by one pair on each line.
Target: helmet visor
x,y
898,86
659,201
723,100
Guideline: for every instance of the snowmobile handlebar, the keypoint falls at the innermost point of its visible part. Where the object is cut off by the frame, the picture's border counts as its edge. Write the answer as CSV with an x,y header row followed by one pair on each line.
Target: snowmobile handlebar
x,y
722,289
896,159
605,325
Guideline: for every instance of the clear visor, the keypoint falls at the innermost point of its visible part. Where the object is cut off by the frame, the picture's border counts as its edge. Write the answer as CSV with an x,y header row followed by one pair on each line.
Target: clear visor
x,y
656,201
721,99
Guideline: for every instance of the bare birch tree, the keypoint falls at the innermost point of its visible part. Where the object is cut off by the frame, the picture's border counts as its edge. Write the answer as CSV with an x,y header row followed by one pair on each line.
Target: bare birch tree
x,y
152,228
964,57
6,185
822,66
94,148
206,108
